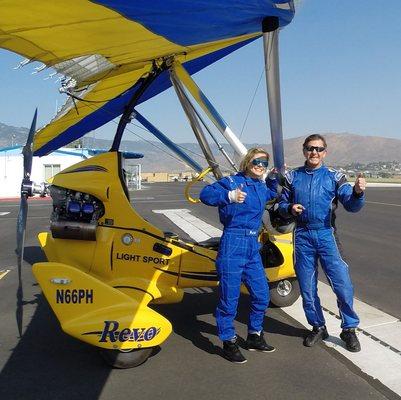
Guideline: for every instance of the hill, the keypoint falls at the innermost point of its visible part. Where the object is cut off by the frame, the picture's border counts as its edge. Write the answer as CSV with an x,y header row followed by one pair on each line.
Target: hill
x,y
343,148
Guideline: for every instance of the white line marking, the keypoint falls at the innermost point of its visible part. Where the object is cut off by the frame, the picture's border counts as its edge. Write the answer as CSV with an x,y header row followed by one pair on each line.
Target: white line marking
x,y
47,204
383,204
381,352
193,226
383,184
375,359
33,217
142,198
4,213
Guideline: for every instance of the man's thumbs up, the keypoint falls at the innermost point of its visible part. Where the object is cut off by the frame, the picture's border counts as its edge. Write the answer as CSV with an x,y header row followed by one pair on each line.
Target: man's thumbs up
x,y
360,183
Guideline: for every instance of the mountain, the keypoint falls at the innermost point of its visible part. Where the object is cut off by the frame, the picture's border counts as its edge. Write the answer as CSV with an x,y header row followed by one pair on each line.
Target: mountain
x,y
346,148
11,135
343,148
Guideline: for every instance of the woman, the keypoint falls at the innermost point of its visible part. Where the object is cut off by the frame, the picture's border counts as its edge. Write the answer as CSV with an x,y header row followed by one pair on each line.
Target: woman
x,y
241,201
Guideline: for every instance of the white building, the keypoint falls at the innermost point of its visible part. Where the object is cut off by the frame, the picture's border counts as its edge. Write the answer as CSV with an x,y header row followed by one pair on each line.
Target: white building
x,y
11,167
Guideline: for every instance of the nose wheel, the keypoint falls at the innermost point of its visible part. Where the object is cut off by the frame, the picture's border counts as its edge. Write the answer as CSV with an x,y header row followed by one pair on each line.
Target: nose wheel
x,y
284,293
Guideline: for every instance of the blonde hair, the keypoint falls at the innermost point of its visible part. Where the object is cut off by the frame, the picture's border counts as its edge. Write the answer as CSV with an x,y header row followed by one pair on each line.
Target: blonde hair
x,y
248,157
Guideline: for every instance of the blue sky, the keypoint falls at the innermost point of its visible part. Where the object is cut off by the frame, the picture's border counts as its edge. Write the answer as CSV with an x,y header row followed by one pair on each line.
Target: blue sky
x,y
340,72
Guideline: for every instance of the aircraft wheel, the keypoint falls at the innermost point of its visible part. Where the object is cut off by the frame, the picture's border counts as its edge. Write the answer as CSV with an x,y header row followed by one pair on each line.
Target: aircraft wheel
x,y
126,359
285,292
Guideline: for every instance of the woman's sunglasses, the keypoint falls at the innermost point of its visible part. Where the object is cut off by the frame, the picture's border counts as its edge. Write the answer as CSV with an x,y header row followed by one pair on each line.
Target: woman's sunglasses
x,y
261,162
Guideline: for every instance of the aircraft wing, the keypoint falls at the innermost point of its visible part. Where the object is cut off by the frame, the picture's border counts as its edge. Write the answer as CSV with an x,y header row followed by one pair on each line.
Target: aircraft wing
x,y
103,48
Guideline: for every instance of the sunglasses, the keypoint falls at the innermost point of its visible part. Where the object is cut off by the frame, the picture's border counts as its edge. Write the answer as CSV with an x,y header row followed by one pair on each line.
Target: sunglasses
x,y
261,162
312,148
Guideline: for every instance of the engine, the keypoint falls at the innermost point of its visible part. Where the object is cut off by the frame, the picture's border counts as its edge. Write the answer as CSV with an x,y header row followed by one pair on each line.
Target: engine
x,y
75,214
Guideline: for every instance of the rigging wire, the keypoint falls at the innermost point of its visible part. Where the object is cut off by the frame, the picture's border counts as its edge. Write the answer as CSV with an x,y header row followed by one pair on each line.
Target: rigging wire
x,y
148,141
138,126
142,138
251,104
141,127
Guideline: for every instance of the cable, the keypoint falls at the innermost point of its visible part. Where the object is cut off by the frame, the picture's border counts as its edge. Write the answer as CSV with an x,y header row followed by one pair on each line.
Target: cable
x,y
147,141
250,106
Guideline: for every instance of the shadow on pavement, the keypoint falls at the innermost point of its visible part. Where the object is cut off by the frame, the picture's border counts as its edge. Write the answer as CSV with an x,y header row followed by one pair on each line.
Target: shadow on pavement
x,y
185,319
47,363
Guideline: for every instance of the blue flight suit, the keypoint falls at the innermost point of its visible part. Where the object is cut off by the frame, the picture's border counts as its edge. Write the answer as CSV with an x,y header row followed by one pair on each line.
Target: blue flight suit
x,y
319,190
238,260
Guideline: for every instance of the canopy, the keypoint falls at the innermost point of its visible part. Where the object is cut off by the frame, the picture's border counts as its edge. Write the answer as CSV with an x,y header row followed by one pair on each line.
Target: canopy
x,y
104,47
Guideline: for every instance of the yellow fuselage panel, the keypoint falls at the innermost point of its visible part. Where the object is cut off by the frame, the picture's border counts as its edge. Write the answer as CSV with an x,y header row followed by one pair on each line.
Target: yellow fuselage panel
x,y
97,313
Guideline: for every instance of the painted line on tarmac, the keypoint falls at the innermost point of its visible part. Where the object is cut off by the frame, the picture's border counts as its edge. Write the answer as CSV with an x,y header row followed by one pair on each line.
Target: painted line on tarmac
x,y
4,272
379,333
33,217
29,204
197,229
4,213
383,204
142,198
162,201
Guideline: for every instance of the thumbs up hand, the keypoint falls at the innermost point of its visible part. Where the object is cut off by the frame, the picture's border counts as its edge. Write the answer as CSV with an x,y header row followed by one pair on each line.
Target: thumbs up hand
x,y
360,184
237,195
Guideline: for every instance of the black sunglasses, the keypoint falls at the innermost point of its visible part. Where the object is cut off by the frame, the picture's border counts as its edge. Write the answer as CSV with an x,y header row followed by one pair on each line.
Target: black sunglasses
x,y
262,162
319,149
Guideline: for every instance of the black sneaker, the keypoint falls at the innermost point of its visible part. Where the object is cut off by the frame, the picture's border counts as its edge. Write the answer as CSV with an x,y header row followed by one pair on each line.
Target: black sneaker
x,y
317,334
232,352
351,340
255,342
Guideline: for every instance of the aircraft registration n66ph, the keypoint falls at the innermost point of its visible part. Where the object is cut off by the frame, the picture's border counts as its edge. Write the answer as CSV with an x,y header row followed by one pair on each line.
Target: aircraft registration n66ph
x,y
106,264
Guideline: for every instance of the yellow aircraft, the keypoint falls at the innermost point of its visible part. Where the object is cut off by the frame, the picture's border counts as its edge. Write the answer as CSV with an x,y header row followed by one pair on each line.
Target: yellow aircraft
x,y
106,264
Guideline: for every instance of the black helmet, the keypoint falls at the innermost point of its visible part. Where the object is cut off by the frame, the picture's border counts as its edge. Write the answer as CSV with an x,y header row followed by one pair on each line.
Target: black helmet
x,y
276,223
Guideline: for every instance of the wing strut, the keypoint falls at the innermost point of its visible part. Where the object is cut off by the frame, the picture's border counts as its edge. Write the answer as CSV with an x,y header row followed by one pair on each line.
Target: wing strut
x,y
195,125
166,141
211,112
270,27
129,109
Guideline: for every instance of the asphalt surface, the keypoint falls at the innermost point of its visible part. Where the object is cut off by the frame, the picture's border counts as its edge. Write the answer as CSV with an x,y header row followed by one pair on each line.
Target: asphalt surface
x,y
45,363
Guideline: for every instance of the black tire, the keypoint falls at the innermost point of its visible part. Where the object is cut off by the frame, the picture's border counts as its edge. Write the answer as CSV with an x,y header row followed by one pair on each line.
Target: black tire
x,y
126,359
285,292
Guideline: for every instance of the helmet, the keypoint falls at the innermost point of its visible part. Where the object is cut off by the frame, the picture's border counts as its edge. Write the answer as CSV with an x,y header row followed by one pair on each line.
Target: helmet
x,y
276,223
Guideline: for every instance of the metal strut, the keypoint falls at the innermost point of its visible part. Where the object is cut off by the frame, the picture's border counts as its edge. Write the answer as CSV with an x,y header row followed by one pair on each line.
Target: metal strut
x,y
127,116
270,27
195,125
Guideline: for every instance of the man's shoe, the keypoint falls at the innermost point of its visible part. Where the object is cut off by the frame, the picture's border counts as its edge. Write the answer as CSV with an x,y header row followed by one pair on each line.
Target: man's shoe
x,y
232,352
316,335
351,340
255,342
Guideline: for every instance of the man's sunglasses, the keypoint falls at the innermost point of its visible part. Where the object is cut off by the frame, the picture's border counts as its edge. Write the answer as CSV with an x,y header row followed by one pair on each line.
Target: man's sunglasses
x,y
262,162
317,148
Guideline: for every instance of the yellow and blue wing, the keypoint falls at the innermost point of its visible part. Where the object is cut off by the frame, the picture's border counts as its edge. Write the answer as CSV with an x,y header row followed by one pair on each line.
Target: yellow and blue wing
x,y
105,47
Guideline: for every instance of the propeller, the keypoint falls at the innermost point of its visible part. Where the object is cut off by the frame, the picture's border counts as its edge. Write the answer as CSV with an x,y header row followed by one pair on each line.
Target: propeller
x,y
27,190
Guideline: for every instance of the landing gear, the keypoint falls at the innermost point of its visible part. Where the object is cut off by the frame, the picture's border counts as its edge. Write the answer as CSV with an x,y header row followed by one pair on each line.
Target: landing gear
x,y
126,359
284,293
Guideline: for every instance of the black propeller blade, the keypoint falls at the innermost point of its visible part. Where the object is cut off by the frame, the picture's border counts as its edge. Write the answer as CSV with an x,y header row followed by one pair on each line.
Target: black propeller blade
x,y
26,191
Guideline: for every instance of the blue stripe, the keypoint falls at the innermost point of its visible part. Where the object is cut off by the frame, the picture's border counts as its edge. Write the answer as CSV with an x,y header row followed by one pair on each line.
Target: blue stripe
x,y
189,22
219,119
115,107
164,139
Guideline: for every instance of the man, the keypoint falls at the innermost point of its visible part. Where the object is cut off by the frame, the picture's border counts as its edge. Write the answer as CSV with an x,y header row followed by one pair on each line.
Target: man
x,y
311,194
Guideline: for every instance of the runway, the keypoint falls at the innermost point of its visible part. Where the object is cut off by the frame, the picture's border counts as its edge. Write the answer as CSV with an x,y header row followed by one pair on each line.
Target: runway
x,y
189,363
